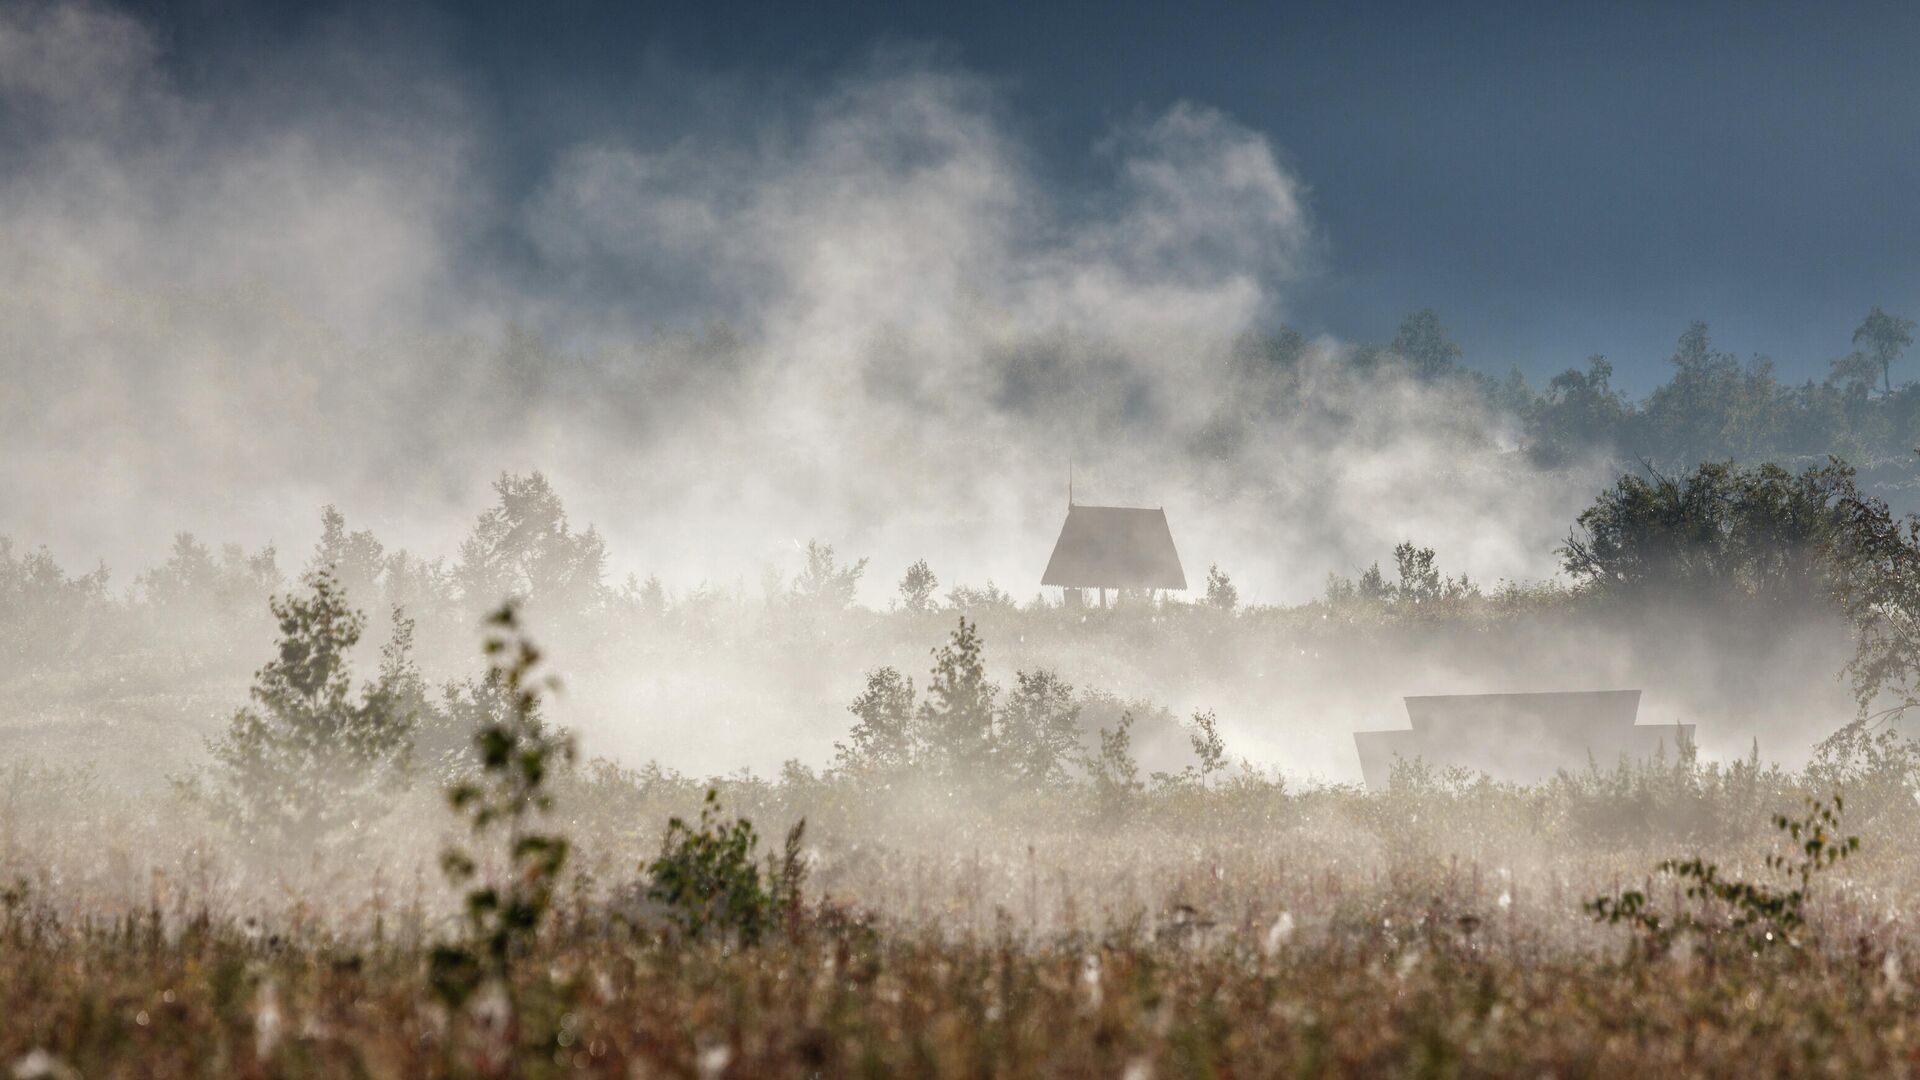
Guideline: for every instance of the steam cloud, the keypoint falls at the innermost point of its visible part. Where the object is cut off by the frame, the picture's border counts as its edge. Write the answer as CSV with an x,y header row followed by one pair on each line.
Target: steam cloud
x,y
876,322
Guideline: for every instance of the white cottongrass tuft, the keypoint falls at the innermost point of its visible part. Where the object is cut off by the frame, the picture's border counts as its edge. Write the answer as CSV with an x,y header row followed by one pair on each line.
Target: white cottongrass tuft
x,y
1280,933
40,1065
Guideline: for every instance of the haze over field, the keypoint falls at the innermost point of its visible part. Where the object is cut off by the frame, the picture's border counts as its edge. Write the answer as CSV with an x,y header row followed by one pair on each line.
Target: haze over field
x,y
522,533
878,304
869,316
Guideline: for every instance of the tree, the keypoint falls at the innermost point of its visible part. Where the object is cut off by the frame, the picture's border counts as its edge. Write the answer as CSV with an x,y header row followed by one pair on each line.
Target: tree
x,y
917,588
1419,588
423,587
1759,533
1221,595
884,736
524,549
991,597
1208,747
1114,772
1209,752
1854,372
1424,345
193,586
310,758
1885,337
356,559
1579,411
43,611
1685,418
1878,559
648,598
1369,588
824,585
1420,580
1039,729
956,719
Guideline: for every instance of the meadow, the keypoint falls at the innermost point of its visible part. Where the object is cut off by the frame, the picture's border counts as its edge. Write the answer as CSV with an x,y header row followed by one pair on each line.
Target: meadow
x,y
1030,851
1232,929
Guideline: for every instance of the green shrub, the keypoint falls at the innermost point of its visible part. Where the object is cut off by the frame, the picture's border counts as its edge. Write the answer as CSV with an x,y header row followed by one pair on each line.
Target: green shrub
x,y
709,879
1758,915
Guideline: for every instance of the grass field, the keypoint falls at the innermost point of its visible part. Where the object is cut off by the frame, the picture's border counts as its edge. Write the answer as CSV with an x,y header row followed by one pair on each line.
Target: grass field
x,y
1245,929
352,867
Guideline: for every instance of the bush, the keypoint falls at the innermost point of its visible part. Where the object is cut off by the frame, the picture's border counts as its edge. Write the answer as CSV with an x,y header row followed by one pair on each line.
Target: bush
x,y
709,879
1757,915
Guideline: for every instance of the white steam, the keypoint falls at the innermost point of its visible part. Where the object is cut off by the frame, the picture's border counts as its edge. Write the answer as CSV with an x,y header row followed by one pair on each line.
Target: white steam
x,y
218,311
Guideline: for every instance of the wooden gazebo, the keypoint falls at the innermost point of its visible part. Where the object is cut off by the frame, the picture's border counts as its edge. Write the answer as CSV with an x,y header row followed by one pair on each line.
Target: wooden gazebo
x,y
1113,547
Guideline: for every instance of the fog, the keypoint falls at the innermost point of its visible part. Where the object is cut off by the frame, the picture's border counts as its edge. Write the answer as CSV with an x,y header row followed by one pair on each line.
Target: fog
x,y
875,322
504,572
870,316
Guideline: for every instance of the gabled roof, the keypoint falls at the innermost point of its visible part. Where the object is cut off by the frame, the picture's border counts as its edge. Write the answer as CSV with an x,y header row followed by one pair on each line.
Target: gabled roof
x,y
1114,547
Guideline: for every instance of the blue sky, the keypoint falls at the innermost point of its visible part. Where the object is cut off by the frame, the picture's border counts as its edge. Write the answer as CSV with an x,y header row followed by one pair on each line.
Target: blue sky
x,y
1556,180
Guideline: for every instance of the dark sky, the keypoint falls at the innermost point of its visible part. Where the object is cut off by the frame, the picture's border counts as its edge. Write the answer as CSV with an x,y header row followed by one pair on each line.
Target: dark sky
x,y
1556,179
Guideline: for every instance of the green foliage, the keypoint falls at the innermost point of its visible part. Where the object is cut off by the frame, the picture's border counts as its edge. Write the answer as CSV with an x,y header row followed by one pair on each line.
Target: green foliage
x,y
1758,915
1704,383
1856,372
917,587
884,738
709,879
1714,408
502,804
1879,766
310,757
1579,413
1779,542
1720,532
967,735
962,732
1879,590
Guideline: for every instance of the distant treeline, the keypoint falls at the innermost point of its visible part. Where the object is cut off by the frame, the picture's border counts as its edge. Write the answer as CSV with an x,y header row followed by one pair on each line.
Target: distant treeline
x,y
1714,407
1744,542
